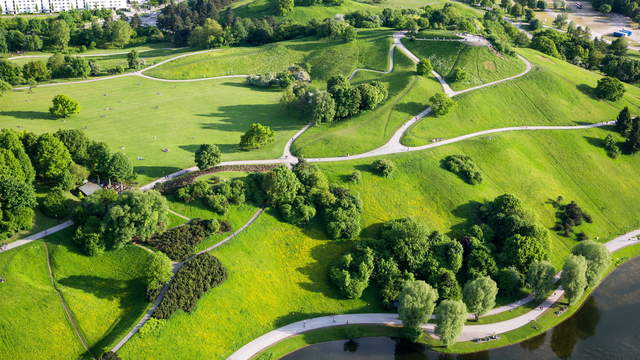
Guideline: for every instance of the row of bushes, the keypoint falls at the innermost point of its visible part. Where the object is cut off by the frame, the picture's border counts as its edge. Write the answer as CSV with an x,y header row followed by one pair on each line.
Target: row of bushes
x,y
464,167
174,184
179,242
193,280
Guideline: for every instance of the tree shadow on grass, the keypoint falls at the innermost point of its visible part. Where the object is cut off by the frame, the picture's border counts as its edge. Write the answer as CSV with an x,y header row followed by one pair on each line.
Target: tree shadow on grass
x,y
597,142
130,296
155,171
587,90
224,148
28,115
254,88
411,108
238,118
469,213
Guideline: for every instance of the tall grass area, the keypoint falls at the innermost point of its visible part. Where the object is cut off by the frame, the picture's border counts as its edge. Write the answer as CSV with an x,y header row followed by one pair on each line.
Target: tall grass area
x,y
106,293
408,95
481,64
278,272
33,324
553,93
142,117
277,275
326,57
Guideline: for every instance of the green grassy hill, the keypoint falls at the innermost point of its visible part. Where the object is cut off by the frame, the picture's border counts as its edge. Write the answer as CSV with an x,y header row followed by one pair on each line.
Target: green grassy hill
x,y
481,64
141,117
553,93
326,57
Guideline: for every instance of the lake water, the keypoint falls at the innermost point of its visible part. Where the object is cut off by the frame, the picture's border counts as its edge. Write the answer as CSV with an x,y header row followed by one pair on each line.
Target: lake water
x,y
606,327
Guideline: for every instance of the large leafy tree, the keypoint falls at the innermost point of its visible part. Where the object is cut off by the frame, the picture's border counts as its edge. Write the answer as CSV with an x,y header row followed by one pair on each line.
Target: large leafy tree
x,y
351,274
408,241
598,259
64,106
521,251
540,278
610,88
119,168
51,159
416,303
256,137
60,33
424,67
76,142
280,186
17,201
10,140
450,318
207,156
323,108
480,295
574,277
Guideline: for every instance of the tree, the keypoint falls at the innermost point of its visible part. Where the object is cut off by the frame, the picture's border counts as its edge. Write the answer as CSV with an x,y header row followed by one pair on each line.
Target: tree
x,y
55,205
535,24
346,97
479,295
610,145
10,141
64,106
284,7
351,275
561,21
544,44
4,87
133,60
119,168
51,159
619,46
450,318
415,306
610,88
383,167
633,138
458,74
407,241
323,109
207,36
510,281
441,104
521,251
540,278
342,212
60,33
605,8
120,33
36,70
159,272
574,277
624,122
598,259
256,137
76,142
17,200
280,186
448,287
372,94
207,156
424,67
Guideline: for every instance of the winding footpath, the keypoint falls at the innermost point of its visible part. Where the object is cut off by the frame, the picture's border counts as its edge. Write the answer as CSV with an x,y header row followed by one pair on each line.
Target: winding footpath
x,y
393,146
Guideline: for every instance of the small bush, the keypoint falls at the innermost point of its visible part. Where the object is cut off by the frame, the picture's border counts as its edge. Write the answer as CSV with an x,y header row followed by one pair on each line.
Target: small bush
x,y
464,167
458,74
355,177
193,280
152,327
383,167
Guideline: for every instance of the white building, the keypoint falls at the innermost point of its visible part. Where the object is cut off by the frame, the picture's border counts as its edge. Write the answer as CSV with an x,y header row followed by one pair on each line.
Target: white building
x,y
44,6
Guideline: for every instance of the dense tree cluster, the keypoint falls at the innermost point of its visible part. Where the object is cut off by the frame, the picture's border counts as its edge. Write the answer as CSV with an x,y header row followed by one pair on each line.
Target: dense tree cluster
x,y
302,193
194,278
568,216
179,242
108,220
629,128
628,8
464,167
217,196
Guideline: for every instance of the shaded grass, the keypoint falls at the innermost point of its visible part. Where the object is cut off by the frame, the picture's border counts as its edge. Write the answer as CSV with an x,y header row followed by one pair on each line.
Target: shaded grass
x,y
141,117
105,292
553,93
326,57
480,63
33,324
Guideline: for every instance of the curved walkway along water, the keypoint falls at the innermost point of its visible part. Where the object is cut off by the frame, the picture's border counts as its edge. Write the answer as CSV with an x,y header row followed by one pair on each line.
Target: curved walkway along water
x,y
393,146
469,332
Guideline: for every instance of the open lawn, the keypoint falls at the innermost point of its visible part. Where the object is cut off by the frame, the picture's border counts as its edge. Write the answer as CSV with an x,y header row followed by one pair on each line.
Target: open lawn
x,y
326,57
105,292
33,324
408,96
553,93
141,117
481,64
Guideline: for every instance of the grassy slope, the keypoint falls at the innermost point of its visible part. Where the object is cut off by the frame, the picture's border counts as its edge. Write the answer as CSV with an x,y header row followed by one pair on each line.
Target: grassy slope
x,y
277,274
33,324
145,116
480,63
105,293
408,97
326,57
553,93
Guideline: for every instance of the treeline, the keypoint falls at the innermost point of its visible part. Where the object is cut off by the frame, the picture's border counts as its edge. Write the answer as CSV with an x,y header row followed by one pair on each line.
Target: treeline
x,y
56,162
579,48
629,8
503,246
84,29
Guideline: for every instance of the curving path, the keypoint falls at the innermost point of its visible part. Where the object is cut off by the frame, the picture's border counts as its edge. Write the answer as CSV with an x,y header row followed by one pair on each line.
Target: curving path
x,y
469,332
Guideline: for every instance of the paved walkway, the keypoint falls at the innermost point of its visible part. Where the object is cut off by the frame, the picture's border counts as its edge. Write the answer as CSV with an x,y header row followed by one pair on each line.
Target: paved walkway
x,y
36,236
469,332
